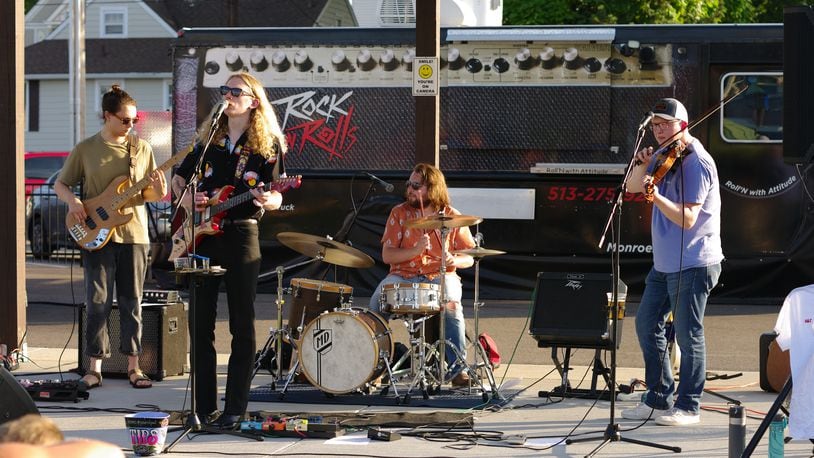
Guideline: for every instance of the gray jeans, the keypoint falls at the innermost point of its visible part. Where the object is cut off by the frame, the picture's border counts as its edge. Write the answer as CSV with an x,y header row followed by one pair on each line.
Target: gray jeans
x,y
122,265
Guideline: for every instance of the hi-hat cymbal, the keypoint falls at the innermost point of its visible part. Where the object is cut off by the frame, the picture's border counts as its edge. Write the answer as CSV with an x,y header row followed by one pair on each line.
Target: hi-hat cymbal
x,y
479,252
439,221
325,249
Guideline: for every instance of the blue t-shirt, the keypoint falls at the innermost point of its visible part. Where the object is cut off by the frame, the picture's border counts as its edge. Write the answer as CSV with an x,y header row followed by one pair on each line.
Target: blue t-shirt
x,y
693,180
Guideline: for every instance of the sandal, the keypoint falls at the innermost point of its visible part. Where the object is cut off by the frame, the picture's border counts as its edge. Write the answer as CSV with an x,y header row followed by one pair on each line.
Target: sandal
x,y
88,386
141,380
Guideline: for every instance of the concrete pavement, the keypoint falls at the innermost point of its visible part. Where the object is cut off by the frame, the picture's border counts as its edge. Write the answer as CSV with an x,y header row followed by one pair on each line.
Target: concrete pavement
x,y
732,336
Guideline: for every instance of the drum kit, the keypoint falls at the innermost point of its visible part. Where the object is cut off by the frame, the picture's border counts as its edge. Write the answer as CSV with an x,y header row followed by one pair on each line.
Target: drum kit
x,y
340,348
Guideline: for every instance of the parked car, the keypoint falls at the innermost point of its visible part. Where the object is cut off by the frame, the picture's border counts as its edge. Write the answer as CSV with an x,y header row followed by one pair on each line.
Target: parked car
x,y
38,167
46,223
41,165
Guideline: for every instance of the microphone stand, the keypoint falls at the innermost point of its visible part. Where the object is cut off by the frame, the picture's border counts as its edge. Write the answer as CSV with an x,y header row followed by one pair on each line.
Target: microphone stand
x,y
612,433
193,423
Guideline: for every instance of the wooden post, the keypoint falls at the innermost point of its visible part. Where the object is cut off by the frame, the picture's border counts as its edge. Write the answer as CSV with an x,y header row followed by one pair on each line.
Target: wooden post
x,y
12,123
427,41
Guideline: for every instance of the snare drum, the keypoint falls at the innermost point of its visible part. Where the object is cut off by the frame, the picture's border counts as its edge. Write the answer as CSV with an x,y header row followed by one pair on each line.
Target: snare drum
x,y
342,350
410,298
309,298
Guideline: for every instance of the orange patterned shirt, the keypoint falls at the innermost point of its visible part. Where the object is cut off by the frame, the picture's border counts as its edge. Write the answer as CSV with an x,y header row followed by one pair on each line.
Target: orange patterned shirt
x,y
428,263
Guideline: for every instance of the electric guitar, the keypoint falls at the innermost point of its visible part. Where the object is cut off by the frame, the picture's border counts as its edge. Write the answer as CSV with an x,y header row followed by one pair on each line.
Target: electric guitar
x,y
207,222
105,210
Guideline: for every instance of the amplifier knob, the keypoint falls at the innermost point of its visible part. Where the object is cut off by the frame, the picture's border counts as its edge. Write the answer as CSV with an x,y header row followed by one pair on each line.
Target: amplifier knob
x,y
302,62
339,61
258,61
454,58
388,60
211,68
501,65
524,60
615,65
365,61
280,61
408,58
572,59
473,65
548,58
233,61
592,65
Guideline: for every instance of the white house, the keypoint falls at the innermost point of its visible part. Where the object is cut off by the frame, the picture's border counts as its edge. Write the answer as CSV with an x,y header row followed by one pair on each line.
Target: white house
x,y
128,42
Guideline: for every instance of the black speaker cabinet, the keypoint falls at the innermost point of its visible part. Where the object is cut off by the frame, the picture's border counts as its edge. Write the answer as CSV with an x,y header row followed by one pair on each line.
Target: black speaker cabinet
x,y
798,93
14,399
163,340
571,310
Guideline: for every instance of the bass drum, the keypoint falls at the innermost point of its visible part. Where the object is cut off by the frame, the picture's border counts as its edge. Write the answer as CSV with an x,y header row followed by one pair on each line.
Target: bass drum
x,y
342,350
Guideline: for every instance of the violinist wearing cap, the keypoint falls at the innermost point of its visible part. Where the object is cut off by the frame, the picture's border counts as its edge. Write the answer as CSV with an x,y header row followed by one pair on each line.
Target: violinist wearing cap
x,y
687,255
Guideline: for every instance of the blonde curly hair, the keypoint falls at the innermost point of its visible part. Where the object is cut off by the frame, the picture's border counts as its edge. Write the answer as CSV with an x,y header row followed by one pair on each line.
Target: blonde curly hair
x,y
266,137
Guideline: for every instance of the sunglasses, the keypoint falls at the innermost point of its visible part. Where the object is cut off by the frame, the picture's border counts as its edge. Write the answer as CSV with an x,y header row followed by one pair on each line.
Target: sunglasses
x,y
412,184
235,91
126,121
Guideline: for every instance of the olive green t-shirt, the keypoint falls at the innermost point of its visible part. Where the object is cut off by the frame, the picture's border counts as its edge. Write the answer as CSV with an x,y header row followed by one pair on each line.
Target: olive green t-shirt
x,y
97,163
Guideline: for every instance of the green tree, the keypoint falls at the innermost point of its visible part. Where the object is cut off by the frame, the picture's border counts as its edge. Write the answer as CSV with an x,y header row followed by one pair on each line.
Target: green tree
x,y
575,12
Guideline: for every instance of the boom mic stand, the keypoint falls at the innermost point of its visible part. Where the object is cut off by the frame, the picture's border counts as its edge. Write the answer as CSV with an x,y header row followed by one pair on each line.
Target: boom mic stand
x,y
612,433
193,423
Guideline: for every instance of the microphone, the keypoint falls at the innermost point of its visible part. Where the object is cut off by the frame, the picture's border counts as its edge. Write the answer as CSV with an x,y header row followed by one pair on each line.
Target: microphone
x,y
387,186
646,120
219,111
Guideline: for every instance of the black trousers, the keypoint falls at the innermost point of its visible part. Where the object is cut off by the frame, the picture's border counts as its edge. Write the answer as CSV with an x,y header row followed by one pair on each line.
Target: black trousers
x,y
238,251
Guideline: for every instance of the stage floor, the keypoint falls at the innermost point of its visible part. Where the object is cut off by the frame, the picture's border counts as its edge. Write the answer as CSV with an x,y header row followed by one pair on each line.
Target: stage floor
x,y
537,422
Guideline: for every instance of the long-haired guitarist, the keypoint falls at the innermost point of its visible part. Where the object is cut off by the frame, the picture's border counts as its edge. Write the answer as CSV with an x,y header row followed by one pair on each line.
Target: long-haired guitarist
x,y
122,260
246,153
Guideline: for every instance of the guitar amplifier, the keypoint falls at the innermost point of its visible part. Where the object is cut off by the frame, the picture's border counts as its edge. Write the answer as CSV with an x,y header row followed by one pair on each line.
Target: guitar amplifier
x,y
164,341
156,296
571,310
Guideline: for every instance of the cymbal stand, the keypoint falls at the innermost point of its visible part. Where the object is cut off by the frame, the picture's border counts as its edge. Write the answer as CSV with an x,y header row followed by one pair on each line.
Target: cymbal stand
x,y
275,339
479,350
442,295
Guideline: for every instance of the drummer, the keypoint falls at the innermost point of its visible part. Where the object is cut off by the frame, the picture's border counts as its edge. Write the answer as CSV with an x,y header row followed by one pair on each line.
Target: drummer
x,y
414,255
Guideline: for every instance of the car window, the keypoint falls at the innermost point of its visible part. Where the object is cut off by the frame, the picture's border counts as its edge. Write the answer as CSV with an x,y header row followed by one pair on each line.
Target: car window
x,y
42,166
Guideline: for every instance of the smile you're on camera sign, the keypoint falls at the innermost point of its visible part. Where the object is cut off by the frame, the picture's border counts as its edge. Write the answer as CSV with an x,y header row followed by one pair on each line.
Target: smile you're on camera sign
x,y
425,76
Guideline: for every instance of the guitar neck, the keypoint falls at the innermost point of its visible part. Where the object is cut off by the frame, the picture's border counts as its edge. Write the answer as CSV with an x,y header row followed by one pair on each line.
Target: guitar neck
x,y
119,201
231,202
281,185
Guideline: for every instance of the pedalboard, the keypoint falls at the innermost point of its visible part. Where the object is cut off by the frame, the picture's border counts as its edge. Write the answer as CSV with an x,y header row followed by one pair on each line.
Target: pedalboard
x,y
55,390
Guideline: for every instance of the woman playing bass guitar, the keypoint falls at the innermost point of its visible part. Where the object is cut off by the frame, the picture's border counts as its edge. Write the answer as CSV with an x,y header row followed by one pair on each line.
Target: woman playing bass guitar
x,y
687,257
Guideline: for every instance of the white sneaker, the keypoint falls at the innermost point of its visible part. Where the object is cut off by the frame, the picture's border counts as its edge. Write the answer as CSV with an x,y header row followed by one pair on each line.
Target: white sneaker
x,y
678,417
643,411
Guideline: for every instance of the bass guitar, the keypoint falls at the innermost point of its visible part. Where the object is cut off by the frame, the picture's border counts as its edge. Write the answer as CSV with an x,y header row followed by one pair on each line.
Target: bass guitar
x,y
105,210
207,222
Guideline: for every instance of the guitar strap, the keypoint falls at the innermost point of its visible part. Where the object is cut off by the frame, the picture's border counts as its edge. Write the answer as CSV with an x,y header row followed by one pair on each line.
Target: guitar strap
x,y
133,146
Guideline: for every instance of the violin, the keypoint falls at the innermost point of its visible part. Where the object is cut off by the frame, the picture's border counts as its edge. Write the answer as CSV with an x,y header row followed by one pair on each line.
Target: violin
x,y
667,155
663,161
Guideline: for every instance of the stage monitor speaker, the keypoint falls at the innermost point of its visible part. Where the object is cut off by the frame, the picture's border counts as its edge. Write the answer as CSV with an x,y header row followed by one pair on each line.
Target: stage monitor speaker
x,y
14,399
164,339
571,310
798,92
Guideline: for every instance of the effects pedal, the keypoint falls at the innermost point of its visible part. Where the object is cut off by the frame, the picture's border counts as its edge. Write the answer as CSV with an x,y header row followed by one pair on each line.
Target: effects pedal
x,y
382,435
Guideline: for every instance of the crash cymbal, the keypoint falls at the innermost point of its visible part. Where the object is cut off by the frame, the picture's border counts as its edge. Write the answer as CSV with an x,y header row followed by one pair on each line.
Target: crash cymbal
x,y
325,249
439,221
479,252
